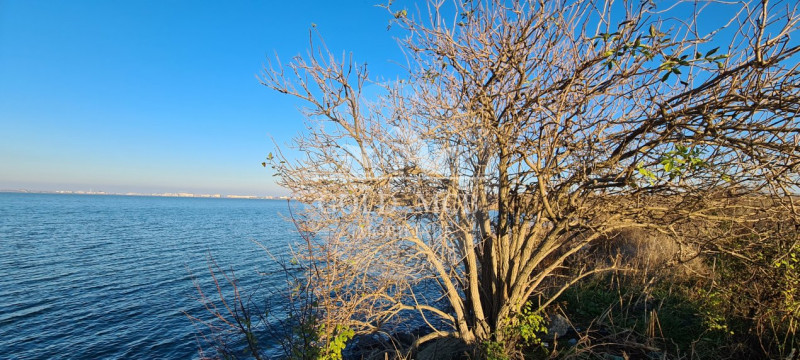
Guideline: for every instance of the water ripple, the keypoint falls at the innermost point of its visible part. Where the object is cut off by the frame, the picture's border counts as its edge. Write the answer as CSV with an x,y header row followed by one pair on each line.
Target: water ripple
x,y
109,277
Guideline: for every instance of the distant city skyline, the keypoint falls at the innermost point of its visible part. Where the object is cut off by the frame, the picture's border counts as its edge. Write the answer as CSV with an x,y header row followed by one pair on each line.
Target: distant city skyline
x,y
142,191
167,194
154,97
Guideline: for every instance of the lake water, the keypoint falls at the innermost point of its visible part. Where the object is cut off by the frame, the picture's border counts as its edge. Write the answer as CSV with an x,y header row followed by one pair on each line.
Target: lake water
x,y
86,277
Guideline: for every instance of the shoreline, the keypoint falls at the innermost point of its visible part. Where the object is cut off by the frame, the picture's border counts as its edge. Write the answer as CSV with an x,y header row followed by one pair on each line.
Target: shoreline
x,y
167,194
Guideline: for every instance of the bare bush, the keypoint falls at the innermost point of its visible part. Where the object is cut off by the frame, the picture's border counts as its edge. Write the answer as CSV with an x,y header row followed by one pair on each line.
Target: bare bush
x,y
525,132
257,321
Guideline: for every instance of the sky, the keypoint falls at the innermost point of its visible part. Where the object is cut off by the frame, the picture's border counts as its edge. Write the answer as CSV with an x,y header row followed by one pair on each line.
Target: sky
x,y
154,96
161,96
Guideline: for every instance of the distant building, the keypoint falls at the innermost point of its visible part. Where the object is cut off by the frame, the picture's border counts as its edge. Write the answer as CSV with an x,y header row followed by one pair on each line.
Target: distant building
x,y
241,197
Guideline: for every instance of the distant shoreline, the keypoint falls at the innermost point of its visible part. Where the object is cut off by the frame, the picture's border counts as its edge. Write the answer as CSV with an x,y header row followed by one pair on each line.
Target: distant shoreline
x,y
168,194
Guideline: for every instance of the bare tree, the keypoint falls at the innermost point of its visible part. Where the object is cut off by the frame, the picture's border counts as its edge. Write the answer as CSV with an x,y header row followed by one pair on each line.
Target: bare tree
x,y
524,132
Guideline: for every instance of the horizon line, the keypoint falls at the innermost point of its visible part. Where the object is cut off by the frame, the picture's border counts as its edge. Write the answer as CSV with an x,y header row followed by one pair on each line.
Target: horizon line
x,y
154,194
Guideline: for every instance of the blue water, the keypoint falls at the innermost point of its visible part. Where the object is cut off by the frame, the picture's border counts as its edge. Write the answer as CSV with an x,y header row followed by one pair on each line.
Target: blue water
x,y
84,277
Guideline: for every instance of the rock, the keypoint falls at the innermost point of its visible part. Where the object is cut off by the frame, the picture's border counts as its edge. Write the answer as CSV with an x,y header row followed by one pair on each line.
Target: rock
x,y
365,347
559,326
448,348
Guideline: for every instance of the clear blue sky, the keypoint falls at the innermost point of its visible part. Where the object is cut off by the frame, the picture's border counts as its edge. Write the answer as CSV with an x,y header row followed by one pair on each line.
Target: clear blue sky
x,y
160,96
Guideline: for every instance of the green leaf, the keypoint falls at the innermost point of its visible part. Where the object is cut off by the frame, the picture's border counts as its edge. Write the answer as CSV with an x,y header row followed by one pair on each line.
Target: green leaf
x,y
646,173
608,53
676,70
697,55
665,77
712,51
652,30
